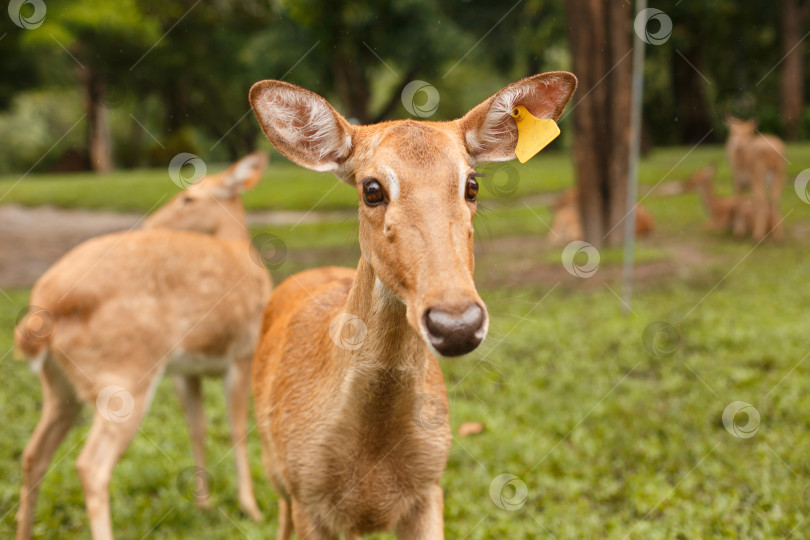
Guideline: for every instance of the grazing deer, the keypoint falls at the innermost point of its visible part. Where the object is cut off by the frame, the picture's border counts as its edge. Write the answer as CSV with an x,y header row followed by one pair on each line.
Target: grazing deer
x,y
723,211
757,165
566,226
116,312
350,400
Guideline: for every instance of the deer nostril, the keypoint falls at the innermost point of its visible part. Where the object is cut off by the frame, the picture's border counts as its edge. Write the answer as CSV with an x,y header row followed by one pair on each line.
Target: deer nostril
x,y
455,334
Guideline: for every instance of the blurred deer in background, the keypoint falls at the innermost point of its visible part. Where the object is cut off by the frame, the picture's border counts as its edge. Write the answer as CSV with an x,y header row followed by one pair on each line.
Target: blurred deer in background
x,y
566,225
116,312
758,165
725,212
346,368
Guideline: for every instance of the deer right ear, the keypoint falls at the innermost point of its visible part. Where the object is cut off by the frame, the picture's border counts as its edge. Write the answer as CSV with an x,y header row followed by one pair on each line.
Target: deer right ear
x,y
302,125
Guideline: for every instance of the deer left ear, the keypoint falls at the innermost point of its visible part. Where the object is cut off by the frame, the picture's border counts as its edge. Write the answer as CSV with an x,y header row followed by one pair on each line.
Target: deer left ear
x,y
489,130
245,174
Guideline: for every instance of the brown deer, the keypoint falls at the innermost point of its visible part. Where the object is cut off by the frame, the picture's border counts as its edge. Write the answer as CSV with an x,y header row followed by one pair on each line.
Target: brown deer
x,y
723,211
118,311
350,400
566,226
758,166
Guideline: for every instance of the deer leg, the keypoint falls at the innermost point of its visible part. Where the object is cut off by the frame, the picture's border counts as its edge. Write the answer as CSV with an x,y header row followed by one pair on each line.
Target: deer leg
x,y
761,218
108,439
426,519
306,527
285,524
59,411
237,390
189,388
775,222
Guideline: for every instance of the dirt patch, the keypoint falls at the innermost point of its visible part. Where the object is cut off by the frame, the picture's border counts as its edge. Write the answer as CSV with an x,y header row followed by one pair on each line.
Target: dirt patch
x,y
32,239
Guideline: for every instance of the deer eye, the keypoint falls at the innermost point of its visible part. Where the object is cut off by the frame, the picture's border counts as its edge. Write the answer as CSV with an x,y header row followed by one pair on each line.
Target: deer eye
x,y
373,193
471,191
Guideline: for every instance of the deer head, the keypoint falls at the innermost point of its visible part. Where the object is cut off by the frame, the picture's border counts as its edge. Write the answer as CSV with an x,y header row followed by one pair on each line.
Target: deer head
x,y
213,205
417,188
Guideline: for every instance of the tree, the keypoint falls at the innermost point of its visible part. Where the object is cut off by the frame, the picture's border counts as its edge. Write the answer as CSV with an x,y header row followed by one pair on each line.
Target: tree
x,y
794,14
599,36
103,39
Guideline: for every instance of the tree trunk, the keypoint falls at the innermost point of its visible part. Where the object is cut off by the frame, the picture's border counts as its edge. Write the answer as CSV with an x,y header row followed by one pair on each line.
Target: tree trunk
x,y
791,76
599,33
99,144
694,118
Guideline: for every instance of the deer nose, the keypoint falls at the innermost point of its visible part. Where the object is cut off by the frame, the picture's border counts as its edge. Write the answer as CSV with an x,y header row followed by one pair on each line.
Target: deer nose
x,y
454,334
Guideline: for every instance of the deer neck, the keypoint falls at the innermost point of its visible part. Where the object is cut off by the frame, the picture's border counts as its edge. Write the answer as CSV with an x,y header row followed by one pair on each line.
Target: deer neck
x,y
233,225
382,376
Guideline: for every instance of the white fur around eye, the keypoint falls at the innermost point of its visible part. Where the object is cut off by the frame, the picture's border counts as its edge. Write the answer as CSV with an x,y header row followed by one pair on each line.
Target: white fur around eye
x,y
392,182
462,182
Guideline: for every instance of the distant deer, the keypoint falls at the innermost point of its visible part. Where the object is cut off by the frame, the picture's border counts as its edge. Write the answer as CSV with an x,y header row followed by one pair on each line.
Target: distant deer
x,y
725,212
758,165
349,396
566,226
118,311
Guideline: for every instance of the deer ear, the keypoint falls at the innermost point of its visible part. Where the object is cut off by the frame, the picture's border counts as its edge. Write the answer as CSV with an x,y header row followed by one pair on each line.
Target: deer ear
x,y
490,132
302,125
245,174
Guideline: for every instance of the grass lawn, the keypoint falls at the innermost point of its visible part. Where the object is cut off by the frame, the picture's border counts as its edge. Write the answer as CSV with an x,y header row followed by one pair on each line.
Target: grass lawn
x,y
614,432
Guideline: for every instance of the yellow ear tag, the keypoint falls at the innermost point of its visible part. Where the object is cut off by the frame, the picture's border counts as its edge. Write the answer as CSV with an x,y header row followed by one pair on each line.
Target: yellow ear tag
x,y
534,133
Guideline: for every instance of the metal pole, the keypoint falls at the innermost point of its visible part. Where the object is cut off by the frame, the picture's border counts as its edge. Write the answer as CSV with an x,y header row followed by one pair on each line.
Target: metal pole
x,y
632,169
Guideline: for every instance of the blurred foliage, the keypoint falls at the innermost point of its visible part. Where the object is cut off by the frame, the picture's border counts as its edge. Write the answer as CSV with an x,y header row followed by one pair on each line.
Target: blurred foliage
x,y
176,73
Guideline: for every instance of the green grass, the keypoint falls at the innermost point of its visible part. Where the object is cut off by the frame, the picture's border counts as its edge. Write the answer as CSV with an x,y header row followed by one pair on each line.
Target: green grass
x,y
290,187
610,440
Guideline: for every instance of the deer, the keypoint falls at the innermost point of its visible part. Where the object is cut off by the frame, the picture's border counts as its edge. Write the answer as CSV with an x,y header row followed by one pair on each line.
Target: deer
x,y
182,296
725,212
566,226
349,397
758,165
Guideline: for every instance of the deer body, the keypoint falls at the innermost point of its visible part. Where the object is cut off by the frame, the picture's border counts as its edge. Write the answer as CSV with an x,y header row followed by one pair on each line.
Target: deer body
x,y
758,166
726,213
116,312
349,395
